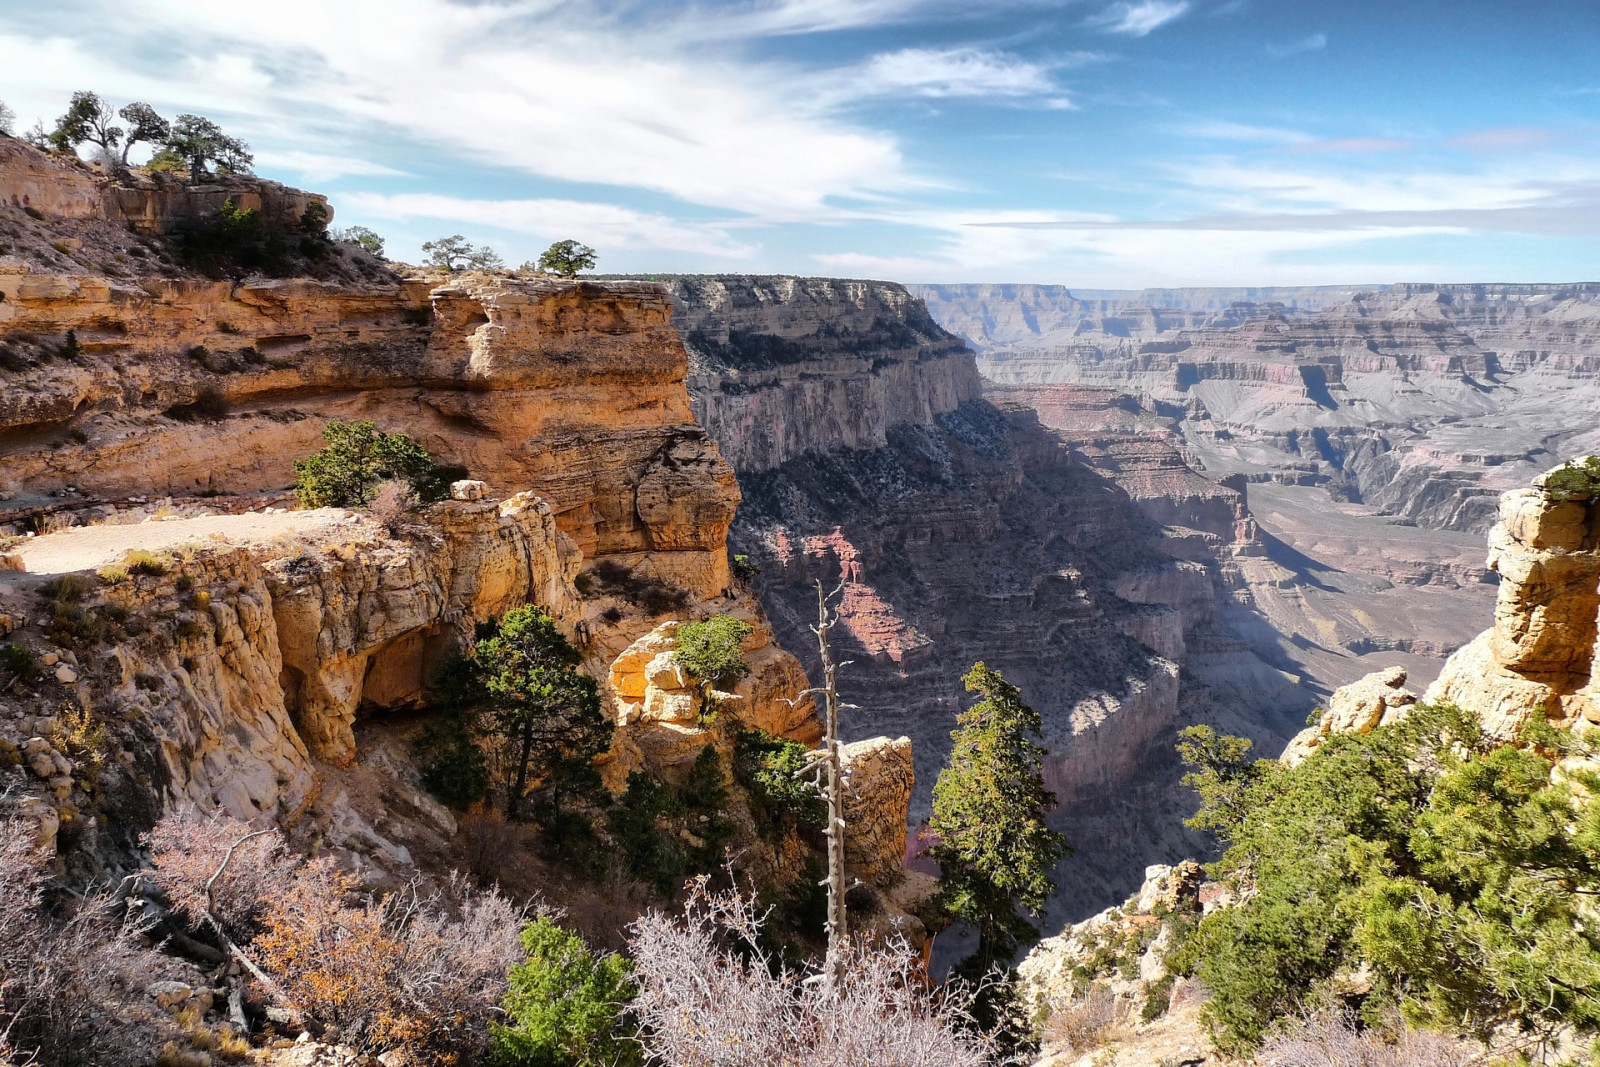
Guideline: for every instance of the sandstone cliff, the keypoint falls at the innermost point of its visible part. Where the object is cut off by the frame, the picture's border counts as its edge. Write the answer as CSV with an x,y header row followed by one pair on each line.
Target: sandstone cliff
x,y
244,674
785,366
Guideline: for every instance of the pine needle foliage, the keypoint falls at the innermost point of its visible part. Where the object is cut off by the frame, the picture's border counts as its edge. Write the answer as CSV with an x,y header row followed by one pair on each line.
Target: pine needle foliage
x,y
565,1005
995,852
1451,867
357,457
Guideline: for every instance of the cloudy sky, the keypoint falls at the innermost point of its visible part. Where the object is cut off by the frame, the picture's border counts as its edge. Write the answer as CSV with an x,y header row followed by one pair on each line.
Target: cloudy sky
x,y
1095,143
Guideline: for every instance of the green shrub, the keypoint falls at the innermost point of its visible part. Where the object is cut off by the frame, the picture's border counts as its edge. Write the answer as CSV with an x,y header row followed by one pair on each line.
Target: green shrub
x,y
712,650
66,589
1447,865
564,1007
113,574
744,568
667,834
69,347
21,662
773,771
356,458
1574,480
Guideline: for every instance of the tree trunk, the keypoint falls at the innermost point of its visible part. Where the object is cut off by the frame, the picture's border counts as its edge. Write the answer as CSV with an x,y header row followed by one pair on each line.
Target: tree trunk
x,y
514,801
834,964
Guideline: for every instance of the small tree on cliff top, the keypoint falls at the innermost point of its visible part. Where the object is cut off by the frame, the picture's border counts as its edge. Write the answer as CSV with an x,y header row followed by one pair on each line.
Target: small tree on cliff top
x,y
455,253
546,710
199,141
567,258
145,126
995,852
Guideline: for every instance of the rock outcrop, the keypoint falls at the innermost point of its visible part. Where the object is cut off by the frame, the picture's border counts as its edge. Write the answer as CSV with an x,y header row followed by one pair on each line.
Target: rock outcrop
x,y
879,778
1539,658
67,188
1358,708
662,709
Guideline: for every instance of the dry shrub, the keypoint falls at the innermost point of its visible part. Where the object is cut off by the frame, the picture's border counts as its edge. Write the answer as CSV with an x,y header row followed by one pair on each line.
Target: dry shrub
x,y
711,996
390,503
1083,1023
188,849
65,973
1333,1040
401,971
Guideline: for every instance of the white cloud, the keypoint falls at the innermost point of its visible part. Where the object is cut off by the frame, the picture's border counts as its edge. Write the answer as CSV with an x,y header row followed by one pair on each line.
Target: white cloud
x,y
954,72
1238,131
1314,43
605,225
556,95
320,167
1136,18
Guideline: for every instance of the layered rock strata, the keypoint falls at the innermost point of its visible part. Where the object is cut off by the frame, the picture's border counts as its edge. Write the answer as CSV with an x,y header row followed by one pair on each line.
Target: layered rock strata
x,y
784,366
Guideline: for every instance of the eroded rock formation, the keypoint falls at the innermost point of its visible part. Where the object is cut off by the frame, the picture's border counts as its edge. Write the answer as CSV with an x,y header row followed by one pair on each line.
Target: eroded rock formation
x,y
1540,655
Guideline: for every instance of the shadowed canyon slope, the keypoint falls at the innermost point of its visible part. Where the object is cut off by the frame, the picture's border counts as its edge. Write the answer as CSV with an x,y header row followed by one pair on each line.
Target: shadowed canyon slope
x,y
969,530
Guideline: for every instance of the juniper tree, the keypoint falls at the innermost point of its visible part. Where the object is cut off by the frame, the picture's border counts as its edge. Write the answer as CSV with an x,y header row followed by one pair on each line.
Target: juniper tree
x,y
145,126
88,118
567,258
995,853
199,142
455,253
356,458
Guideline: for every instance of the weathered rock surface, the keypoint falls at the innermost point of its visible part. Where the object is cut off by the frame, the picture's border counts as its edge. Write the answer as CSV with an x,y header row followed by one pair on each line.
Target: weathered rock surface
x,y
879,778
1358,708
1539,658
873,360
70,189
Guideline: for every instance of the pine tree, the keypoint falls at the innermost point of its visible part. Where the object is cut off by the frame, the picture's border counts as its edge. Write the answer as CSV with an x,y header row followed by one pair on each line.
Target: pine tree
x,y
546,710
995,852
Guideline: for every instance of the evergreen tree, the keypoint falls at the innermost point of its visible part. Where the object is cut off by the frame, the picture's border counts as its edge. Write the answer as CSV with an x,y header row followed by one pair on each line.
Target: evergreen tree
x,y
545,709
145,126
87,118
1448,866
199,141
995,852
567,258
564,1006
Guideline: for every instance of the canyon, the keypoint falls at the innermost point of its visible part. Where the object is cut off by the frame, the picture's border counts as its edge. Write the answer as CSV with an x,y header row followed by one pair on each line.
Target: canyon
x,y
1147,510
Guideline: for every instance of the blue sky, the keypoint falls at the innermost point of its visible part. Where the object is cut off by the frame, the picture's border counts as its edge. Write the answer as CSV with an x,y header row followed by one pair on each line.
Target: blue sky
x,y
1096,143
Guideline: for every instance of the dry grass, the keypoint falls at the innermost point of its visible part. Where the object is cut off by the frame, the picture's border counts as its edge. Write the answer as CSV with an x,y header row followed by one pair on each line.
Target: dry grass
x,y
1334,1041
1084,1023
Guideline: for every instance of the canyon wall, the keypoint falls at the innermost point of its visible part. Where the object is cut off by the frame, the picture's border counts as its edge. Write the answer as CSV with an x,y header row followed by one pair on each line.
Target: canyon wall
x,y
785,366
152,409
970,531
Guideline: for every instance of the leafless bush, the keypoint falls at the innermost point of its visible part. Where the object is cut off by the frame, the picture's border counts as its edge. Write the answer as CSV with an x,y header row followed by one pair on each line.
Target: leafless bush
x,y
188,850
401,971
1332,1040
1085,1022
63,976
710,996
390,502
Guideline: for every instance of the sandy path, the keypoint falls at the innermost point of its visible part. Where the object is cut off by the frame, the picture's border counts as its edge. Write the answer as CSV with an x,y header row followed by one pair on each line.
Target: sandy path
x,y
85,547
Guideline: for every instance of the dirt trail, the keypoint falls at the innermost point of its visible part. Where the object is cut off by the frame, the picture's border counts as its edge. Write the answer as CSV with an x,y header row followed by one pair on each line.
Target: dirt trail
x,y
85,547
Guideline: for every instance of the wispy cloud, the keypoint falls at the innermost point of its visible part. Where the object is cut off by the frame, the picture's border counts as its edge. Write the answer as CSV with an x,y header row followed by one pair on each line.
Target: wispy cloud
x,y
1353,145
951,72
1239,131
1136,18
322,167
1316,42
1508,139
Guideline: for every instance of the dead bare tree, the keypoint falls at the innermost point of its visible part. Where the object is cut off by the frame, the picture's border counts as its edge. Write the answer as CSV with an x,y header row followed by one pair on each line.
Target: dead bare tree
x,y
826,764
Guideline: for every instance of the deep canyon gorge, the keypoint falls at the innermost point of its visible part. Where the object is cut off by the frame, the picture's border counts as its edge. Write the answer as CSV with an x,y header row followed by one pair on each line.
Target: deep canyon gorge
x,y
1150,510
